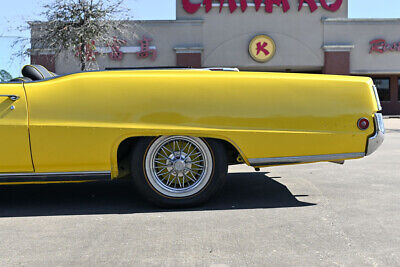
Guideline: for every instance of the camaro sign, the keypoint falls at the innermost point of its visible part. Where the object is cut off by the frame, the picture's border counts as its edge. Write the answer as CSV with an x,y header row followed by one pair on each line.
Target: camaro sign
x,y
208,4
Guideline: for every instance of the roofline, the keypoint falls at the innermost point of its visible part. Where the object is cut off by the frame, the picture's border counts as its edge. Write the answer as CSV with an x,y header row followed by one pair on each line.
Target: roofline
x,y
361,20
193,21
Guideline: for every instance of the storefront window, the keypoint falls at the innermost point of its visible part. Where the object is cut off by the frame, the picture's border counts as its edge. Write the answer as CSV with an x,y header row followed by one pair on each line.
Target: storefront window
x,y
383,86
398,95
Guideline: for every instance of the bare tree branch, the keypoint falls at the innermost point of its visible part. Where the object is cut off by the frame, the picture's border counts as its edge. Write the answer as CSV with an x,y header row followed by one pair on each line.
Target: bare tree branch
x,y
76,25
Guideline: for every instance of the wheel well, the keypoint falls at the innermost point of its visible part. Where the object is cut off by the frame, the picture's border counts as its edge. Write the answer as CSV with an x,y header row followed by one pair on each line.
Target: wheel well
x,y
123,155
231,152
126,146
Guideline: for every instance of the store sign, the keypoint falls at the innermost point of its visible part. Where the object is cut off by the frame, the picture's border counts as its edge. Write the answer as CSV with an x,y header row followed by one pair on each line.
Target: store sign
x,y
381,46
117,48
115,45
262,48
146,50
192,8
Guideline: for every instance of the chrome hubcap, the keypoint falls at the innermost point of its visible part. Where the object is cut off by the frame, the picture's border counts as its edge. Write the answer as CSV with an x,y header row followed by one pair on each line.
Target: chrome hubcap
x,y
179,163
178,166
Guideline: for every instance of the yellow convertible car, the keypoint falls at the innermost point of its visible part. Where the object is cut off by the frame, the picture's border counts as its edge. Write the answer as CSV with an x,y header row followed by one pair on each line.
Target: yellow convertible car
x,y
176,131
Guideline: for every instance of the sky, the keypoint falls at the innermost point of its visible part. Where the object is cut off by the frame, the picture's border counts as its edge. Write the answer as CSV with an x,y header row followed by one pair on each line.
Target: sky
x,y
14,13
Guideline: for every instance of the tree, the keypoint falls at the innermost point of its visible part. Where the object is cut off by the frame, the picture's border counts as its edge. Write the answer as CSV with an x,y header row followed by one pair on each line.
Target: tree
x,y
77,25
5,76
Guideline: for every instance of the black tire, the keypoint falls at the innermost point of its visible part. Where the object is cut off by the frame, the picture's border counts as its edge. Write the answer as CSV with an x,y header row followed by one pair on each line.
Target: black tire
x,y
147,189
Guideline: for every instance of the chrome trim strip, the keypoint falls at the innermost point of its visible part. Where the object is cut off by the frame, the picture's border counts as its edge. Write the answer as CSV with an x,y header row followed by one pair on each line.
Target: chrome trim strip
x,y
378,101
55,174
377,139
303,159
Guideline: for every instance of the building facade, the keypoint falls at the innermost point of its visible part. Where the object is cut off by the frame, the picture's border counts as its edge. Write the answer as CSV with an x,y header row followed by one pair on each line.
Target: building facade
x,y
308,36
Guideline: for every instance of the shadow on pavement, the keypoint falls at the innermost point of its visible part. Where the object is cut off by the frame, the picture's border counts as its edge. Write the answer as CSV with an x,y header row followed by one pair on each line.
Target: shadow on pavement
x,y
242,191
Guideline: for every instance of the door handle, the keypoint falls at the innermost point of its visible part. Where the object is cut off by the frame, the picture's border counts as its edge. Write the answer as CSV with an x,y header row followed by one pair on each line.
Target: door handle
x,y
11,97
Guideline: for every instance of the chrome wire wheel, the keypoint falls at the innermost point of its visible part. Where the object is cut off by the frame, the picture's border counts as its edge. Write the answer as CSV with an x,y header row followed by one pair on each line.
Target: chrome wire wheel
x,y
178,166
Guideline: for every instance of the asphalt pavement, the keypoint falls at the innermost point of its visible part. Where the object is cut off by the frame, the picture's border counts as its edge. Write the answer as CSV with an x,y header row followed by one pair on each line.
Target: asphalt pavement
x,y
308,215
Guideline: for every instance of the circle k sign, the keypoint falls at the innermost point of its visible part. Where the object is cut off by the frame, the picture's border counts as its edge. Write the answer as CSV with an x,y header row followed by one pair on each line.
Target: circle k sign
x,y
262,48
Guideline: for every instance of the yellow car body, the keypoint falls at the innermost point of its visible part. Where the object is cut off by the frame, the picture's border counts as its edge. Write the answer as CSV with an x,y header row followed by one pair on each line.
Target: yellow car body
x,y
76,123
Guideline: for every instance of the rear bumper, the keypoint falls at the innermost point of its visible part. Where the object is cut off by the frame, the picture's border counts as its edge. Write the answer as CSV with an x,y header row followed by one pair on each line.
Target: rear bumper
x,y
376,140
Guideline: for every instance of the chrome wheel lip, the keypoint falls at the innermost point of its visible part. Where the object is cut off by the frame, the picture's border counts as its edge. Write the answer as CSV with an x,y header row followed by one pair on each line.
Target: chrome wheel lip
x,y
158,184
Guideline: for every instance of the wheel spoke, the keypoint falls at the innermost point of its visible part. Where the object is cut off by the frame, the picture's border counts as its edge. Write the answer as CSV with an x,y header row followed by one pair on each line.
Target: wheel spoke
x,y
197,165
165,153
170,182
187,144
179,181
192,162
158,167
189,177
191,153
159,162
166,177
163,157
193,175
162,171
197,155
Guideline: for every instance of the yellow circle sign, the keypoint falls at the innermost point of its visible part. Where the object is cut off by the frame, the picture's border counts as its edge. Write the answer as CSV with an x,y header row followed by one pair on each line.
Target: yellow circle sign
x,y
262,48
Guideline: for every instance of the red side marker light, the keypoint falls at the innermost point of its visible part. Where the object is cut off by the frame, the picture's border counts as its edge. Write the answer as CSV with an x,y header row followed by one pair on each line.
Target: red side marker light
x,y
363,124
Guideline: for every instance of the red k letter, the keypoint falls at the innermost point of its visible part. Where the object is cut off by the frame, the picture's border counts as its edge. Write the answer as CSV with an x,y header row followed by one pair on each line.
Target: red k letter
x,y
269,5
332,7
190,7
311,3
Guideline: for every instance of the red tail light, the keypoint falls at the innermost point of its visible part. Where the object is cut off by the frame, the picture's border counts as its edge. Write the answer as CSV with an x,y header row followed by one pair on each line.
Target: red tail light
x,y
363,124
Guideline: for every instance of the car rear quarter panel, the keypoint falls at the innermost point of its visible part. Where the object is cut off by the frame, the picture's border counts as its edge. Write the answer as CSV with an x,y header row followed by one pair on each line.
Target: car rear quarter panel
x,y
78,121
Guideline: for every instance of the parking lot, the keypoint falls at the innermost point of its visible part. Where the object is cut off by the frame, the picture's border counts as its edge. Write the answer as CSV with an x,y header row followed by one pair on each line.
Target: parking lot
x,y
319,214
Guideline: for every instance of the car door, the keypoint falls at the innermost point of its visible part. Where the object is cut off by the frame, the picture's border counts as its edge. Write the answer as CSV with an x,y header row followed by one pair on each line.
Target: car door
x,y
15,154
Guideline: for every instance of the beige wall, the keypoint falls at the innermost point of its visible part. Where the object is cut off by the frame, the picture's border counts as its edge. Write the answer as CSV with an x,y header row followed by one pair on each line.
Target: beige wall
x,y
225,37
360,32
166,36
298,36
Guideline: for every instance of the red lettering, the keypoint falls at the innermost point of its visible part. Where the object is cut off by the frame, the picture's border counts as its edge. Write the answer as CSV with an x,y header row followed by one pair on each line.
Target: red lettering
x,y
378,46
311,3
393,47
243,5
331,7
232,5
261,48
257,3
269,5
381,46
145,50
208,5
190,7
